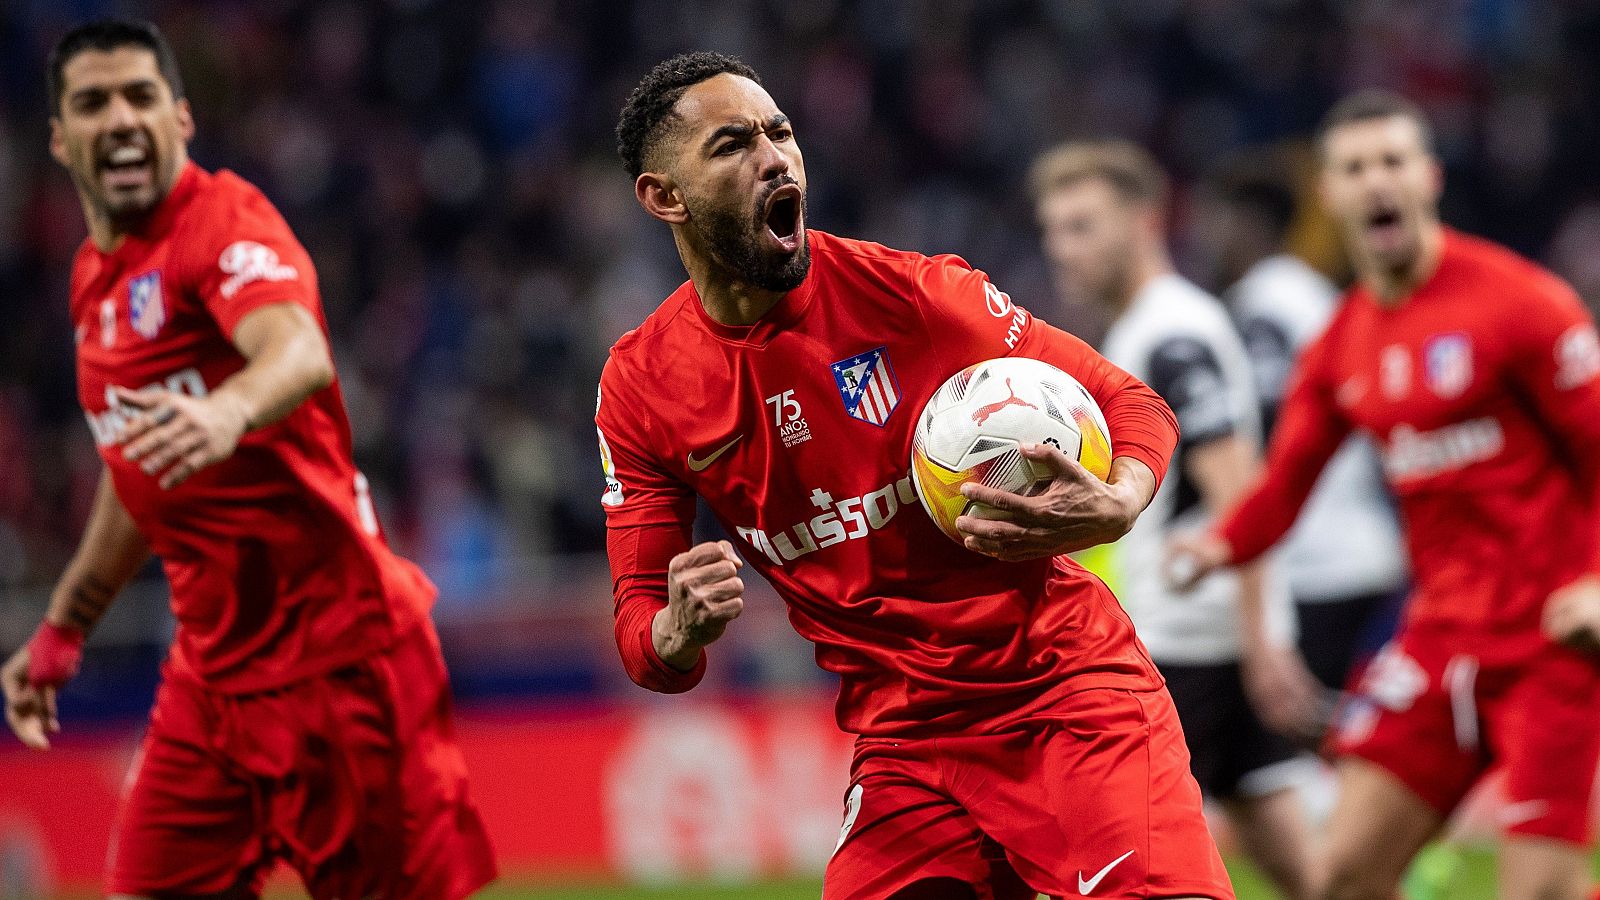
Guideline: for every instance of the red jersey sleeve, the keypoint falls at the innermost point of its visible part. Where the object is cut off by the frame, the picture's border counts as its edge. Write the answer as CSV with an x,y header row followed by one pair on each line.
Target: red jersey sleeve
x,y
639,556
1310,429
649,516
960,304
1554,363
242,255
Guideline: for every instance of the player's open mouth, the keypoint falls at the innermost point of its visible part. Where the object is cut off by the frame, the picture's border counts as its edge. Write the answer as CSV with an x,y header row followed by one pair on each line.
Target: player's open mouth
x,y
1384,223
127,166
783,217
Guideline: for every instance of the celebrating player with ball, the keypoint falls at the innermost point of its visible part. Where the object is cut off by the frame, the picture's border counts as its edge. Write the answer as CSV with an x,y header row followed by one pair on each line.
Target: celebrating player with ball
x,y
1014,736
1478,374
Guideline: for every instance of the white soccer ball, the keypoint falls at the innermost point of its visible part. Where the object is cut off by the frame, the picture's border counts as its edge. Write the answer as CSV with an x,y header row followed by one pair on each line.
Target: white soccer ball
x,y
974,424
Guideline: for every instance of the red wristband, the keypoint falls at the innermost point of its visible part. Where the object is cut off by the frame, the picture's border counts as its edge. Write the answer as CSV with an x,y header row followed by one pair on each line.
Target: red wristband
x,y
53,654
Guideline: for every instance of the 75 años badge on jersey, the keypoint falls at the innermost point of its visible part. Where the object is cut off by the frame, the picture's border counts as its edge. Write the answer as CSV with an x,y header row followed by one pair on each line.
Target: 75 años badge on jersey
x,y
867,386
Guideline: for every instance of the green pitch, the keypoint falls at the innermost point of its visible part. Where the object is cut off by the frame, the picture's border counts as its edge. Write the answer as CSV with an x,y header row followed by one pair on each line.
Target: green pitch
x,y
806,889
1469,876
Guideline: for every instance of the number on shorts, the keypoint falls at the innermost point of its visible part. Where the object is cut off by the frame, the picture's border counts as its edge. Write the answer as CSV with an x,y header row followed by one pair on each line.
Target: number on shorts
x,y
852,808
368,515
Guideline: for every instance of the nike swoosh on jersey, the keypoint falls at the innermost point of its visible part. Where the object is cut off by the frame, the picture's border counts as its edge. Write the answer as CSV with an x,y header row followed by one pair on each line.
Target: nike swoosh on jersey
x,y
699,465
1085,887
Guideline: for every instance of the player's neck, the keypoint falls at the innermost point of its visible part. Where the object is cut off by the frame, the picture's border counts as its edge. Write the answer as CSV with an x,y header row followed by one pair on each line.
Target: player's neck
x,y
106,233
1391,287
735,303
1147,267
728,300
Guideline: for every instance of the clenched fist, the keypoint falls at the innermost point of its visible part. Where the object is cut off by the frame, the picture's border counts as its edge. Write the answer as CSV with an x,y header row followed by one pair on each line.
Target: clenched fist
x,y
704,594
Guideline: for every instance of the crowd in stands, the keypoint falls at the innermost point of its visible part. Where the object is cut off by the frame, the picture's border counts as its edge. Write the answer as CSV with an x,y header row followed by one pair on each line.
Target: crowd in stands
x,y
450,166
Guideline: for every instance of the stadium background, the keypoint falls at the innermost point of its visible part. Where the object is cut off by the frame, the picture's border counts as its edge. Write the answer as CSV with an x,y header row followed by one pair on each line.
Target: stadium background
x,y
450,166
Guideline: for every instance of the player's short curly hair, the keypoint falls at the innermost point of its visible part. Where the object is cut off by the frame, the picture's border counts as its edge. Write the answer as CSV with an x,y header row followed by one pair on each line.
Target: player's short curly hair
x,y
648,112
1368,105
1130,170
106,35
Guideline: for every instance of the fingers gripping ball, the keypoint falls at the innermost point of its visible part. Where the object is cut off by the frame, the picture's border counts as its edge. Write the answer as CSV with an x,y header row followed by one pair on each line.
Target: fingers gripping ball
x,y
975,423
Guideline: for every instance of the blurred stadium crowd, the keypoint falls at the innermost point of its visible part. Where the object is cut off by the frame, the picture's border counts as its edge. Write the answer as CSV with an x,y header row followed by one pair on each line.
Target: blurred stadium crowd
x,y
450,165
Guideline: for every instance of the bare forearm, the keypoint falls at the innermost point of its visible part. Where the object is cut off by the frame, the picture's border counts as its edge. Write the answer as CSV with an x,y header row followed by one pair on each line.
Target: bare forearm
x,y
1134,476
1253,605
111,551
288,362
1223,470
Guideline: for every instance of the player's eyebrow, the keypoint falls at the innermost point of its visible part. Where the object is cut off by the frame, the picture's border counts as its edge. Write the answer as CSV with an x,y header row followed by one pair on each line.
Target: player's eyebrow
x,y
102,89
744,130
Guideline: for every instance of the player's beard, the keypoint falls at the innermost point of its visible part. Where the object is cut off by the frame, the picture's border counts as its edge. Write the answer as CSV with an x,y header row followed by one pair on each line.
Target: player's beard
x,y
125,208
1399,255
734,238
1113,290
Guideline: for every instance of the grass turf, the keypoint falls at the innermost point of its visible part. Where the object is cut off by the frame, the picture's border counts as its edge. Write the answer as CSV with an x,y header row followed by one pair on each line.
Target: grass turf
x,y
1470,877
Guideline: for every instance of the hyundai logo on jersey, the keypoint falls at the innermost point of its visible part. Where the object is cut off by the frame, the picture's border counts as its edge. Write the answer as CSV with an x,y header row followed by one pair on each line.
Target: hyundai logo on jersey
x,y
146,311
867,386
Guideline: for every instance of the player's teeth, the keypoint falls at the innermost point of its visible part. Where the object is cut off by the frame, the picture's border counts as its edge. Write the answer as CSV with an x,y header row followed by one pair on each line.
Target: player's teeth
x,y
123,156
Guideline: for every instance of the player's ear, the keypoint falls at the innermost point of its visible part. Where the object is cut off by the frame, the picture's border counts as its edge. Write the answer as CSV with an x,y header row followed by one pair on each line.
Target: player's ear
x,y
1324,186
660,197
58,142
185,119
1151,221
1435,177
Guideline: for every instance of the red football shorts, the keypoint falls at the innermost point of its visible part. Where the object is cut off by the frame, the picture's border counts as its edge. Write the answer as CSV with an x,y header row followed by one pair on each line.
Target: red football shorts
x,y
353,778
1096,801
1436,715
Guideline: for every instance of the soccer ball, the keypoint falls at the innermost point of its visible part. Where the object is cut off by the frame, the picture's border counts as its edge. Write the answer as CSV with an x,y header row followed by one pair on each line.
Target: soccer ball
x,y
975,422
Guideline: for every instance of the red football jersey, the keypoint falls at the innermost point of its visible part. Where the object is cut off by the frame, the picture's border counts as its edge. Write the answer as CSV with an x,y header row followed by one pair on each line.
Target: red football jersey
x,y
797,433
1482,390
277,565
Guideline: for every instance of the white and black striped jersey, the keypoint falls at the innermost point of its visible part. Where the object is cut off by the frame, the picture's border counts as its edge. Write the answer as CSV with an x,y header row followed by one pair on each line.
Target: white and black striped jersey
x,y
1179,340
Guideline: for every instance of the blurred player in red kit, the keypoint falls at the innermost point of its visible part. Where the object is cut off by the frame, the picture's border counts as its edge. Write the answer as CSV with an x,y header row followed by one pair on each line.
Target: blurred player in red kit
x,y
1013,735
304,714
1478,374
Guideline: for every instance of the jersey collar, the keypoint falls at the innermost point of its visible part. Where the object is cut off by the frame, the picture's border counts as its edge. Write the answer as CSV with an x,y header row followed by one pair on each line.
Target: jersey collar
x,y
1154,288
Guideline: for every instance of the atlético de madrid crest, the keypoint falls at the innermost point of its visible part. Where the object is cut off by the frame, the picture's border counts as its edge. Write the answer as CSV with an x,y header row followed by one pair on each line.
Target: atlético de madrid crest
x,y
1447,364
867,386
147,312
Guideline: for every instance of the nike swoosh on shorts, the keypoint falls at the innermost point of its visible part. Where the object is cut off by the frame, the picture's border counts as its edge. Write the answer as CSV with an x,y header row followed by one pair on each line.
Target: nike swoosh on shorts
x,y
1085,887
